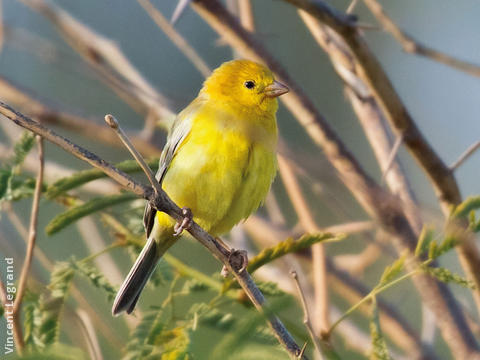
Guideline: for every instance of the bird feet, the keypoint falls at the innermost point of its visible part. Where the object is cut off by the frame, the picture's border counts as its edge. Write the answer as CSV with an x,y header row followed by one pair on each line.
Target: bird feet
x,y
238,260
185,223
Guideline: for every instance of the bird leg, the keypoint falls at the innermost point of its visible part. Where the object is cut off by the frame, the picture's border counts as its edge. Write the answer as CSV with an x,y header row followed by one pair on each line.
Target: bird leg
x,y
238,260
185,223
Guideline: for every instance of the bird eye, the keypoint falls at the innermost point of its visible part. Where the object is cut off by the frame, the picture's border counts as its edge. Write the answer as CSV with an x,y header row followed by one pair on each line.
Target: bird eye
x,y
249,84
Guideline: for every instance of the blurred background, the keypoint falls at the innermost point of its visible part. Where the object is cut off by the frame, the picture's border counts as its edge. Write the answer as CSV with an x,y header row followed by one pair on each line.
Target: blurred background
x,y
443,102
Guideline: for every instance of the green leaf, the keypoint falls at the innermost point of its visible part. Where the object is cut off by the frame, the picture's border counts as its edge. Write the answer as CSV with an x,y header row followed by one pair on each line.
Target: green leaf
x,y
392,271
173,344
22,147
77,212
194,285
446,245
426,237
250,329
379,345
10,168
269,288
95,277
289,246
447,276
51,306
470,204
210,316
142,338
82,177
55,352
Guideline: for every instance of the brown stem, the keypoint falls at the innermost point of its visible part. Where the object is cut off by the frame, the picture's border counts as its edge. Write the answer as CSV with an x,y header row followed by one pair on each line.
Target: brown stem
x,y
32,236
412,46
318,250
306,315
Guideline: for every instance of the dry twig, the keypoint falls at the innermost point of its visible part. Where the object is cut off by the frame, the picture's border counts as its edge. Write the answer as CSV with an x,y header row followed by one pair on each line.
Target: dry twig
x,y
462,158
410,45
176,38
318,251
32,236
306,315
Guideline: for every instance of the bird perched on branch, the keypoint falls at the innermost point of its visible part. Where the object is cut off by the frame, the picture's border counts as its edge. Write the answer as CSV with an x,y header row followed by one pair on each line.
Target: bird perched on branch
x,y
219,161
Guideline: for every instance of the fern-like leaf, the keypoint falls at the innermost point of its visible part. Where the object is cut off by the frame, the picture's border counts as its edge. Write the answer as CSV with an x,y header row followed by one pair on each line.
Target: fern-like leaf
x,y
447,276
82,177
426,237
379,345
289,246
392,271
51,306
95,277
77,212
470,204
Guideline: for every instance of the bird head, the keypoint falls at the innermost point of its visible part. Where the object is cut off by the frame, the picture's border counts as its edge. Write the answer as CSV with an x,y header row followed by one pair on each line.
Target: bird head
x,y
244,84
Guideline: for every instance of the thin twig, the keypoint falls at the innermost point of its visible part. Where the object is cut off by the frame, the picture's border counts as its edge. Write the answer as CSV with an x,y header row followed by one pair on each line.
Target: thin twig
x,y
469,152
32,236
351,7
46,113
179,10
3,294
161,202
245,14
113,123
318,251
88,330
412,46
179,41
306,315
392,156
108,61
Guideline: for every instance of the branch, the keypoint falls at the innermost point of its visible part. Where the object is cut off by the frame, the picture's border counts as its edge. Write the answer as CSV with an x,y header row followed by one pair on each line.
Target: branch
x,y
306,316
107,59
318,251
469,152
412,46
176,38
32,236
46,113
162,202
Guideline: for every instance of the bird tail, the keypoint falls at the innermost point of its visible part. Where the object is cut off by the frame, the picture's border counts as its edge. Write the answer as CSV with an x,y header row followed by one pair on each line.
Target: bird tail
x,y
140,272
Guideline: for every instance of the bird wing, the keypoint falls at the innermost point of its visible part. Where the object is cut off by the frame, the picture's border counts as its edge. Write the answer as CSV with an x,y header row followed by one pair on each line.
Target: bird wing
x,y
179,131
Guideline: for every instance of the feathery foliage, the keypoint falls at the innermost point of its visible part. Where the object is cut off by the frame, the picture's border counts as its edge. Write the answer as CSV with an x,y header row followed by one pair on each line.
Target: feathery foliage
x,y
12,187
64,219
379,345
289,246
82,177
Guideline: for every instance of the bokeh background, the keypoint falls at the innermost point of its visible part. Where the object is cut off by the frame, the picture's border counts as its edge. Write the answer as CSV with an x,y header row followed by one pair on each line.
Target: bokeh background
x,y
443,102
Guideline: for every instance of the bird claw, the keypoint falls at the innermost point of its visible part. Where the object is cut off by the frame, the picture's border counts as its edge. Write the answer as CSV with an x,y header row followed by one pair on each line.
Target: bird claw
x,y
238,260
185,223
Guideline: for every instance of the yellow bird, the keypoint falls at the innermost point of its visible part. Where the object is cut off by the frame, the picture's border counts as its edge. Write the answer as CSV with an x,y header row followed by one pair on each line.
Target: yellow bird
x,y
219,161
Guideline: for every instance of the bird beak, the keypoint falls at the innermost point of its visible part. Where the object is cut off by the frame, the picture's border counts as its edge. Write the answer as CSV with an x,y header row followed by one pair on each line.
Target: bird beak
x,y
276,89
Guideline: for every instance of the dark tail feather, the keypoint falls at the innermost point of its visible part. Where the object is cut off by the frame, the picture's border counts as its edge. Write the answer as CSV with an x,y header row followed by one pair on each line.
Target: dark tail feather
x,y
133,285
